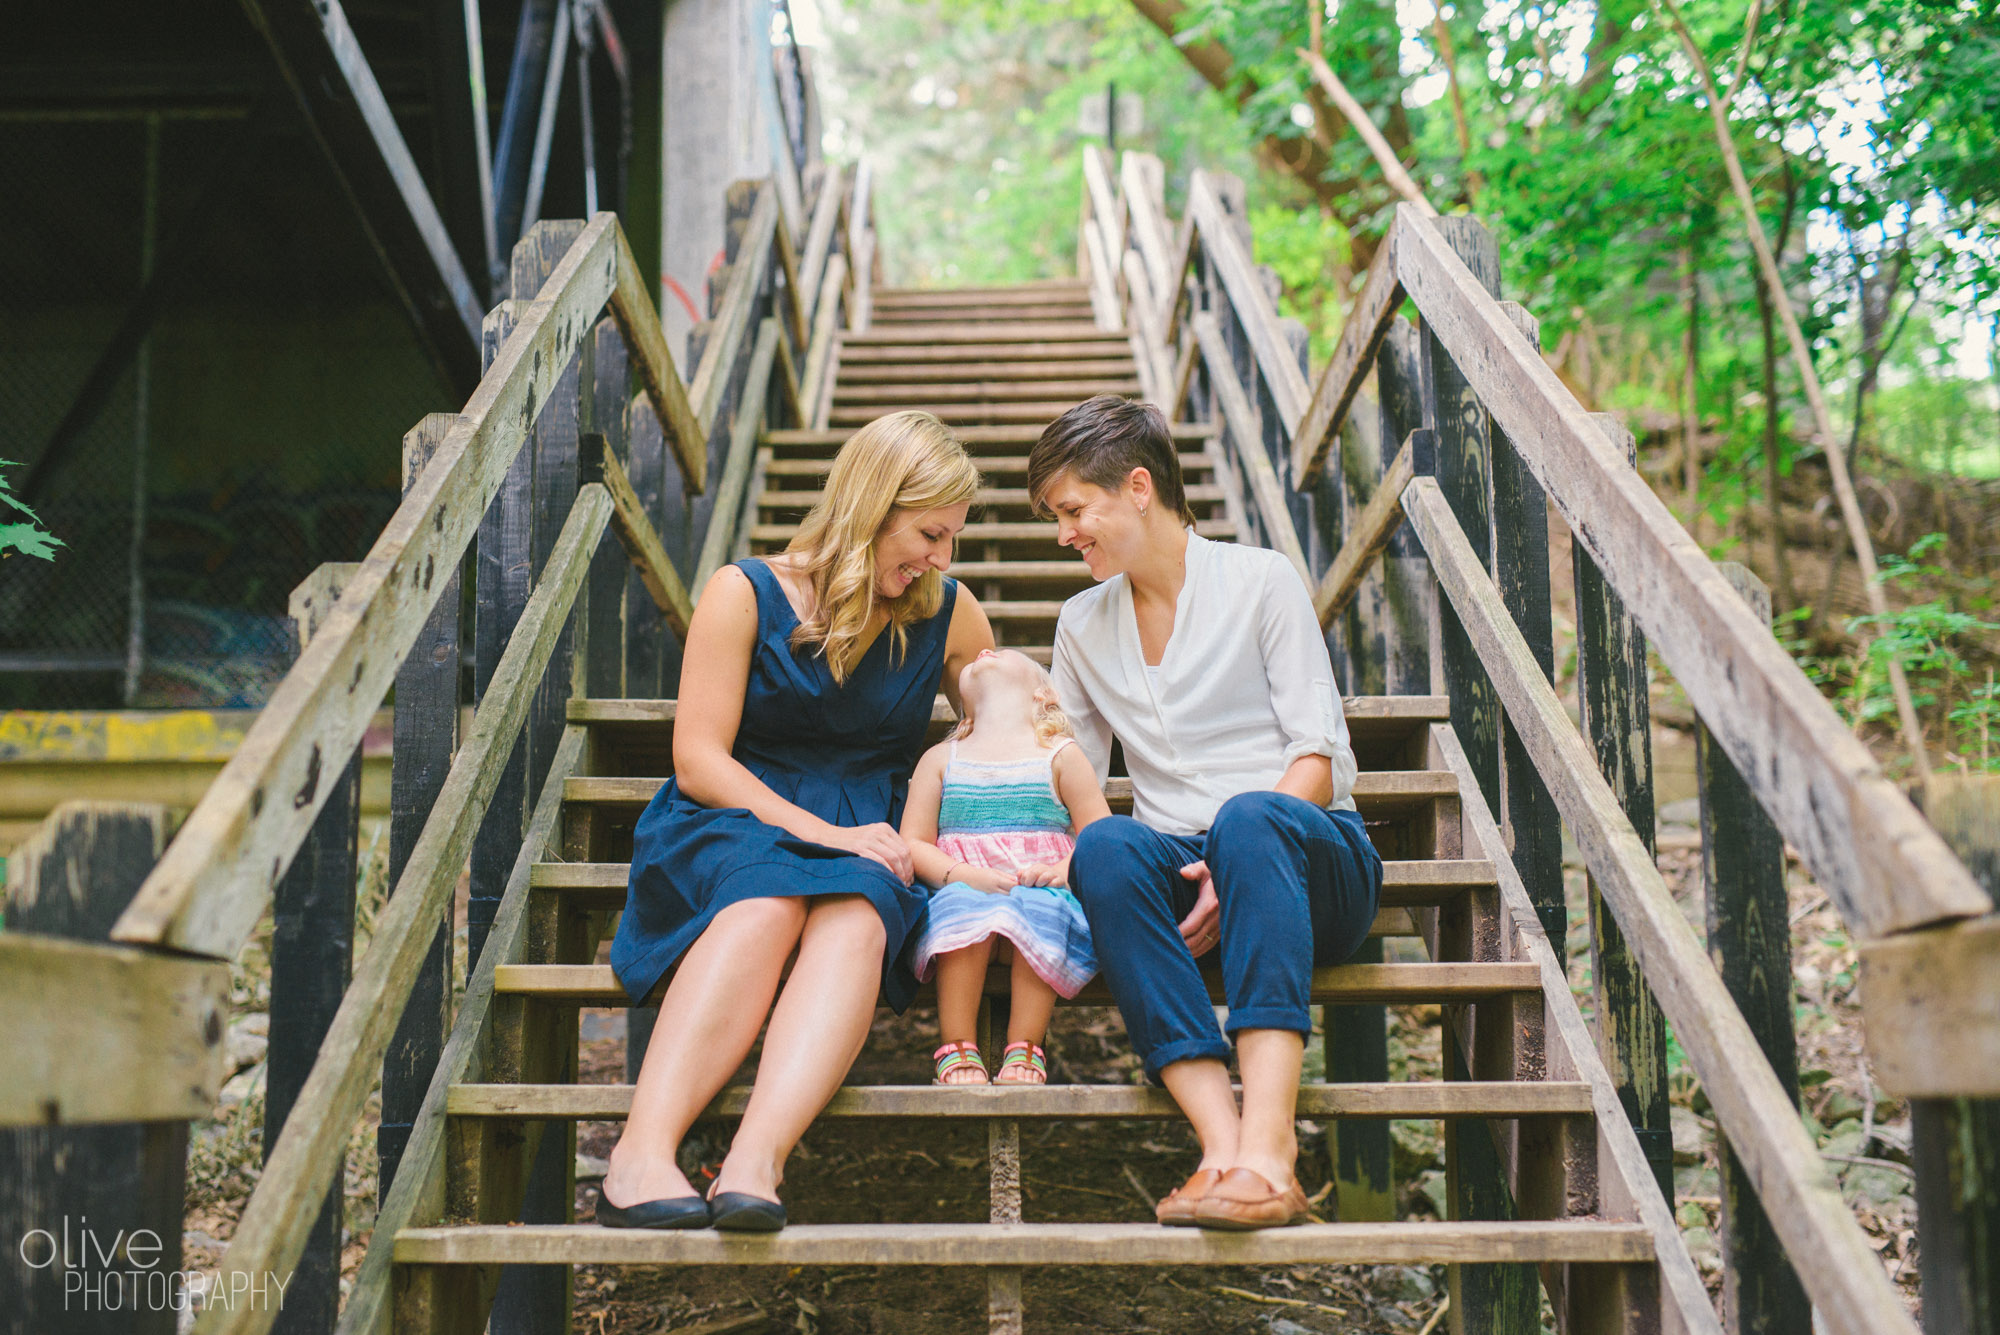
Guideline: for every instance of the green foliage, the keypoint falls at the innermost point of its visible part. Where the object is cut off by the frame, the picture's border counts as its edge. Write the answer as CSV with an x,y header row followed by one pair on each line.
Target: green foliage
x,y
1305,247
27,535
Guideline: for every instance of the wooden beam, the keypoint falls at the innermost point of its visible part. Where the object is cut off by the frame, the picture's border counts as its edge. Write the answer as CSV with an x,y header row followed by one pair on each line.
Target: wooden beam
x,y
320,60
274,1224
1347,369
100,1033
417,1196
1252,303
1371,530
1881,865
597,463
216,877
826,330
1140,176
1839,1269
1265,489
666,397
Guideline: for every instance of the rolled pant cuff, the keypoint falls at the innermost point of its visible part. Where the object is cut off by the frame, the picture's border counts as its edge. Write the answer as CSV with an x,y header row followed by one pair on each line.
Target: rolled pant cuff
x,y
1295,1018
1181,1050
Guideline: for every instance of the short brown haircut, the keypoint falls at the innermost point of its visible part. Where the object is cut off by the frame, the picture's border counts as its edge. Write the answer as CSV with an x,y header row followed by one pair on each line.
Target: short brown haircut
x,y
1101,441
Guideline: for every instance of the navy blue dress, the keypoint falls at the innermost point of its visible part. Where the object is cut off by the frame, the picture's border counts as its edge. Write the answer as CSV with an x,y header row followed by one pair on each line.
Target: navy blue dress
x,y
844,753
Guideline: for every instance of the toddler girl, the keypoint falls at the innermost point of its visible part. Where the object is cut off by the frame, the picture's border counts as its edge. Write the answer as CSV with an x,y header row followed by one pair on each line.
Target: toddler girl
x,y
990,820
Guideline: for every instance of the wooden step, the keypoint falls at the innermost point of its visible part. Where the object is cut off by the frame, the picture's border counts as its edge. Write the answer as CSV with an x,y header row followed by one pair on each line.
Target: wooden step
x,y
637,730
892,395
600,887
990,465
1407,1100
985,348
1572,1241
1044,532
1342,984
1377,793
1013,498
1038,413
869,373
1035,289
1405,885
984,313
1025,331
1000,434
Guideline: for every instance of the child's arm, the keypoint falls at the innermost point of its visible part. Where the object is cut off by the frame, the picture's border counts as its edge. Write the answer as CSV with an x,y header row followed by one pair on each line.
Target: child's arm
x,y
1076,785
933,866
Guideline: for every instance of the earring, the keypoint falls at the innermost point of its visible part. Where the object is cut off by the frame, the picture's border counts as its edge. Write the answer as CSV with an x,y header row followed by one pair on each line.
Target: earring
x,y
1142,512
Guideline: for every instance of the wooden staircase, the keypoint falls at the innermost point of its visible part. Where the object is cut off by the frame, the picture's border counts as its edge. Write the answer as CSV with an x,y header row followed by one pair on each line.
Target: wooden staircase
x,y
997,364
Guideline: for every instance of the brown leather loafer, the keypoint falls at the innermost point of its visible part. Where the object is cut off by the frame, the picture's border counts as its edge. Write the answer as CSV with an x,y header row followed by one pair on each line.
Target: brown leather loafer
x,y
1243,1200
1176,1209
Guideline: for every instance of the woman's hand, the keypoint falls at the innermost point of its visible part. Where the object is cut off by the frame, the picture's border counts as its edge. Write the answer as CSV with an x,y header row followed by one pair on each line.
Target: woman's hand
x,y
879,842
1046,873
991,880
1201,928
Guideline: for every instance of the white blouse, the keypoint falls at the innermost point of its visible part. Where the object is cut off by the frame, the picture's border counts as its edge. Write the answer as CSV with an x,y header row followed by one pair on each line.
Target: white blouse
x,y
1244,688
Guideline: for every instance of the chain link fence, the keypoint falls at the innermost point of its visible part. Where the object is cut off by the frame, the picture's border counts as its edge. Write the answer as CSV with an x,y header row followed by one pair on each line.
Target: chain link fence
x,y
252,433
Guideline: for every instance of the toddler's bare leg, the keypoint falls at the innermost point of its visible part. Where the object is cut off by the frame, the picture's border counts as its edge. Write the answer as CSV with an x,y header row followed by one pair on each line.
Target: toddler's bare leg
x,y
961,981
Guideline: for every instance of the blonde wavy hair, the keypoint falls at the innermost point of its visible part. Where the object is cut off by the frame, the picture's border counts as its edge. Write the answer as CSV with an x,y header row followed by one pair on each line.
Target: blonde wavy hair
x,y
1050,721
905,460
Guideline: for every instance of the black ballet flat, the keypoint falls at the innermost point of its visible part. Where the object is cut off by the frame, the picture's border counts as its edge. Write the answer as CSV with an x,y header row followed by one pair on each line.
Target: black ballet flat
x,y
740,1212
679,1212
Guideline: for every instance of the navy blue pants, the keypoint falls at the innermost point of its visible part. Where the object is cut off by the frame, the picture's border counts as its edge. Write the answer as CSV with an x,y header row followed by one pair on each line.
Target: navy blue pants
x,y
1297,886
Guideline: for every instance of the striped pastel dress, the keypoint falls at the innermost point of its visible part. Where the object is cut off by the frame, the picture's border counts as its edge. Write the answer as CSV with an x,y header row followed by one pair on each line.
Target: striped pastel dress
x,y
1005,813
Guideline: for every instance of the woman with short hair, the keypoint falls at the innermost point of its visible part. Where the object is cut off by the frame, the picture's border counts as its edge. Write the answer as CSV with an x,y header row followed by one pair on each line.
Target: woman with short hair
x,y
806,691
1205,661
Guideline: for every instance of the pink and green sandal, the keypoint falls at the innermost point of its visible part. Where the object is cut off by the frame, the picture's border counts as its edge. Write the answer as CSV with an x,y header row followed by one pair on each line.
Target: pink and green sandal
x,y
1028,1063
955,1057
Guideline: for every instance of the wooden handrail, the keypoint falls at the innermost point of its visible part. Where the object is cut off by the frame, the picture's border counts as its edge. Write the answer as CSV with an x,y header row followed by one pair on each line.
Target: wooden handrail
x,y
732,318
1882,866
819,239
660,377
1353,358
826,332
1254,310
1148,225
207,892
1803,1201
272,1231
417,1194
1266,492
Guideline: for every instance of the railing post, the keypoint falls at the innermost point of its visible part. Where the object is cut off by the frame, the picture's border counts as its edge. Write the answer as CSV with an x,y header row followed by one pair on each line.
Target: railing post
x,y
1618,718
1749,938
1956,1141
535,1300
119,1181
426,731
312,953
1389,628
1503,1299
1521,569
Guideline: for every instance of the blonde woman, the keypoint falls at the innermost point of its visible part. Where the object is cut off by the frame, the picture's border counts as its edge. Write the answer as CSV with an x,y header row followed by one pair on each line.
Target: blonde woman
x,y
990,819
805,694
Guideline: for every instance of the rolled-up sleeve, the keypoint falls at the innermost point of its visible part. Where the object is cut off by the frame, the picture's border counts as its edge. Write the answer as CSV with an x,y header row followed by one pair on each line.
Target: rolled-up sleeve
x,y
1300,672
1093,733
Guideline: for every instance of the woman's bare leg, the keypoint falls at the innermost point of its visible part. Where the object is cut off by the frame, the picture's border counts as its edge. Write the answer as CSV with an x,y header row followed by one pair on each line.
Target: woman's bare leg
x,y
961,982
817,1029
1201,1087
1268,1142
708,1020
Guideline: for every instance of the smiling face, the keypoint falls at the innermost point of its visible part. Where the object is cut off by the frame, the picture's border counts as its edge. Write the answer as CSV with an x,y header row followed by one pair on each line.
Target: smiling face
x,y
1105,526
913,541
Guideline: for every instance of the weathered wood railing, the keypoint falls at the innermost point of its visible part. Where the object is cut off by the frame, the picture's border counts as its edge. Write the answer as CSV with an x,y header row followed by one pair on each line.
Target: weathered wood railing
x,y
1473,433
